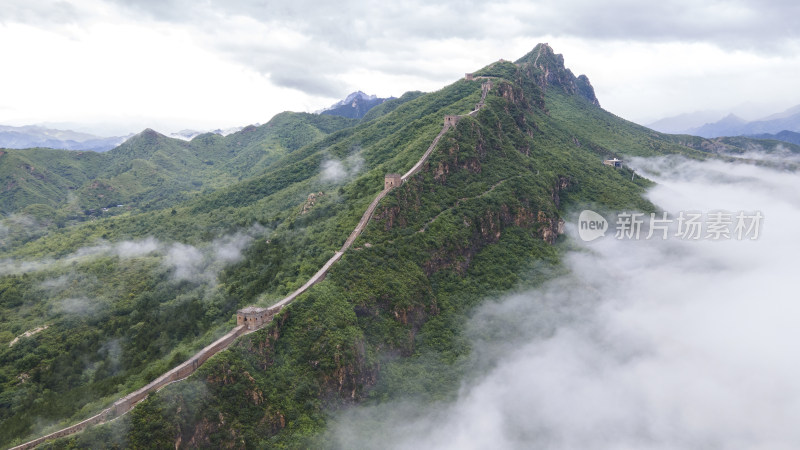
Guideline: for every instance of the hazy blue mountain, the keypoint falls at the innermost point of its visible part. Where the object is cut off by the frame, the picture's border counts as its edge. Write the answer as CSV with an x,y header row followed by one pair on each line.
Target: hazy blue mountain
x,y
682,123
354,106
785,136
729,125
791,112
30,136
732,125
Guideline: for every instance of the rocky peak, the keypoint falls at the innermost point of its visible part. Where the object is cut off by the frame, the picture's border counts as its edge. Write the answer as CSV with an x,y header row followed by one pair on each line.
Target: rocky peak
x,y
548,69
354,105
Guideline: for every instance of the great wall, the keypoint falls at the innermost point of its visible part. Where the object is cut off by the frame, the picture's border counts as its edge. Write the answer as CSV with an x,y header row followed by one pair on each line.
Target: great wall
x,y
252,318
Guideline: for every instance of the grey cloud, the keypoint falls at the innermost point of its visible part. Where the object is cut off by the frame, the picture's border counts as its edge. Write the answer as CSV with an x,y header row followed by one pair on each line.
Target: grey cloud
x,y
334,37
741,24
201,265
228,249
336,171
307,66
131,249
38,13
306,82
112,350
80,306
56,284
186,261
333,170
354,25
18,226
348,24
337,36
164,10
644,344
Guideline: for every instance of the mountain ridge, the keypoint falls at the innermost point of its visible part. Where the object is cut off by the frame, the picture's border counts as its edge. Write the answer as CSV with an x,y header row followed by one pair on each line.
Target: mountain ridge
x,y
31,136
555,73
479,219
150,169
731,124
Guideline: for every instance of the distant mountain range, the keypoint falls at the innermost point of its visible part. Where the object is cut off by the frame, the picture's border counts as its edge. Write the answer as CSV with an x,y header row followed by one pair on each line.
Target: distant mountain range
x,y
188,135
354,106
682,123
31,136
785,136
35,136
783,126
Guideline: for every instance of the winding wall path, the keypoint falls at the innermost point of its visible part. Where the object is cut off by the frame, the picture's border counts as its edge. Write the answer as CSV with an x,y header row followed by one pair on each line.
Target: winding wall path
x,y
125,404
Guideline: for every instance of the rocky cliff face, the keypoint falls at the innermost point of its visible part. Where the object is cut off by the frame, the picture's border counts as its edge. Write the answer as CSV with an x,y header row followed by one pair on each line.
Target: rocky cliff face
x,y
548,68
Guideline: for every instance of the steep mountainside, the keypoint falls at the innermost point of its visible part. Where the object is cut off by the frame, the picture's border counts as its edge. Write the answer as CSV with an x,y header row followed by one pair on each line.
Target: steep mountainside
x,y
125,298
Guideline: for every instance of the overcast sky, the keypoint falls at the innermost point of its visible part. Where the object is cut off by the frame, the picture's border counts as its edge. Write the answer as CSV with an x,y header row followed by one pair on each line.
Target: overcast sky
x,y
119,66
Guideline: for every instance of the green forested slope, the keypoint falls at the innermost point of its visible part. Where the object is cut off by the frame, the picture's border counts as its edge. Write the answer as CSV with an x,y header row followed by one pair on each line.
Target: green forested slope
x,y
148,316
151,170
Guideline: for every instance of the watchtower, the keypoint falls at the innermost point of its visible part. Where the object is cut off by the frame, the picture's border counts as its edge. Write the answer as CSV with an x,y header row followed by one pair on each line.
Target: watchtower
x,y
391,180
450,120
469,77
252,316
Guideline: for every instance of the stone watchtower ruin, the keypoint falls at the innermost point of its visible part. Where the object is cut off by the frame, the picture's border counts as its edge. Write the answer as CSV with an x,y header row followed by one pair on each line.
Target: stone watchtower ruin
x,y
253,317
450,120
469,76
391,180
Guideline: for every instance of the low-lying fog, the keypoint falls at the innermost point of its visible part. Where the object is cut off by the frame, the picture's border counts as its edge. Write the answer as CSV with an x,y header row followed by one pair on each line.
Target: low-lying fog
x,y
646,344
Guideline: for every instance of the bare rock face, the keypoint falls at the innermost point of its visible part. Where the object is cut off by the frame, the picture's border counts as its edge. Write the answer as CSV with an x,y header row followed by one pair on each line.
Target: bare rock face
x,y
311,201
586,90
547,68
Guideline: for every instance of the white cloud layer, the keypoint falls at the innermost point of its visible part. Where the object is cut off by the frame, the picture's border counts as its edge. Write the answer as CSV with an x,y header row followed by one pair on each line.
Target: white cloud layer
x,y
187,262
645,345
203,264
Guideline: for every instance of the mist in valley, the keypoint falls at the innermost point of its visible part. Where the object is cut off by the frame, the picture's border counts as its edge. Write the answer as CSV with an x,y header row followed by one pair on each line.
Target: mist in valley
x,y
644,344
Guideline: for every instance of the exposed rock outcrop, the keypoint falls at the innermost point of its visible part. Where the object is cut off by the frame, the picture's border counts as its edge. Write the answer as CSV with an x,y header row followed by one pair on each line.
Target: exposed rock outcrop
x,y
312,200
548,69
